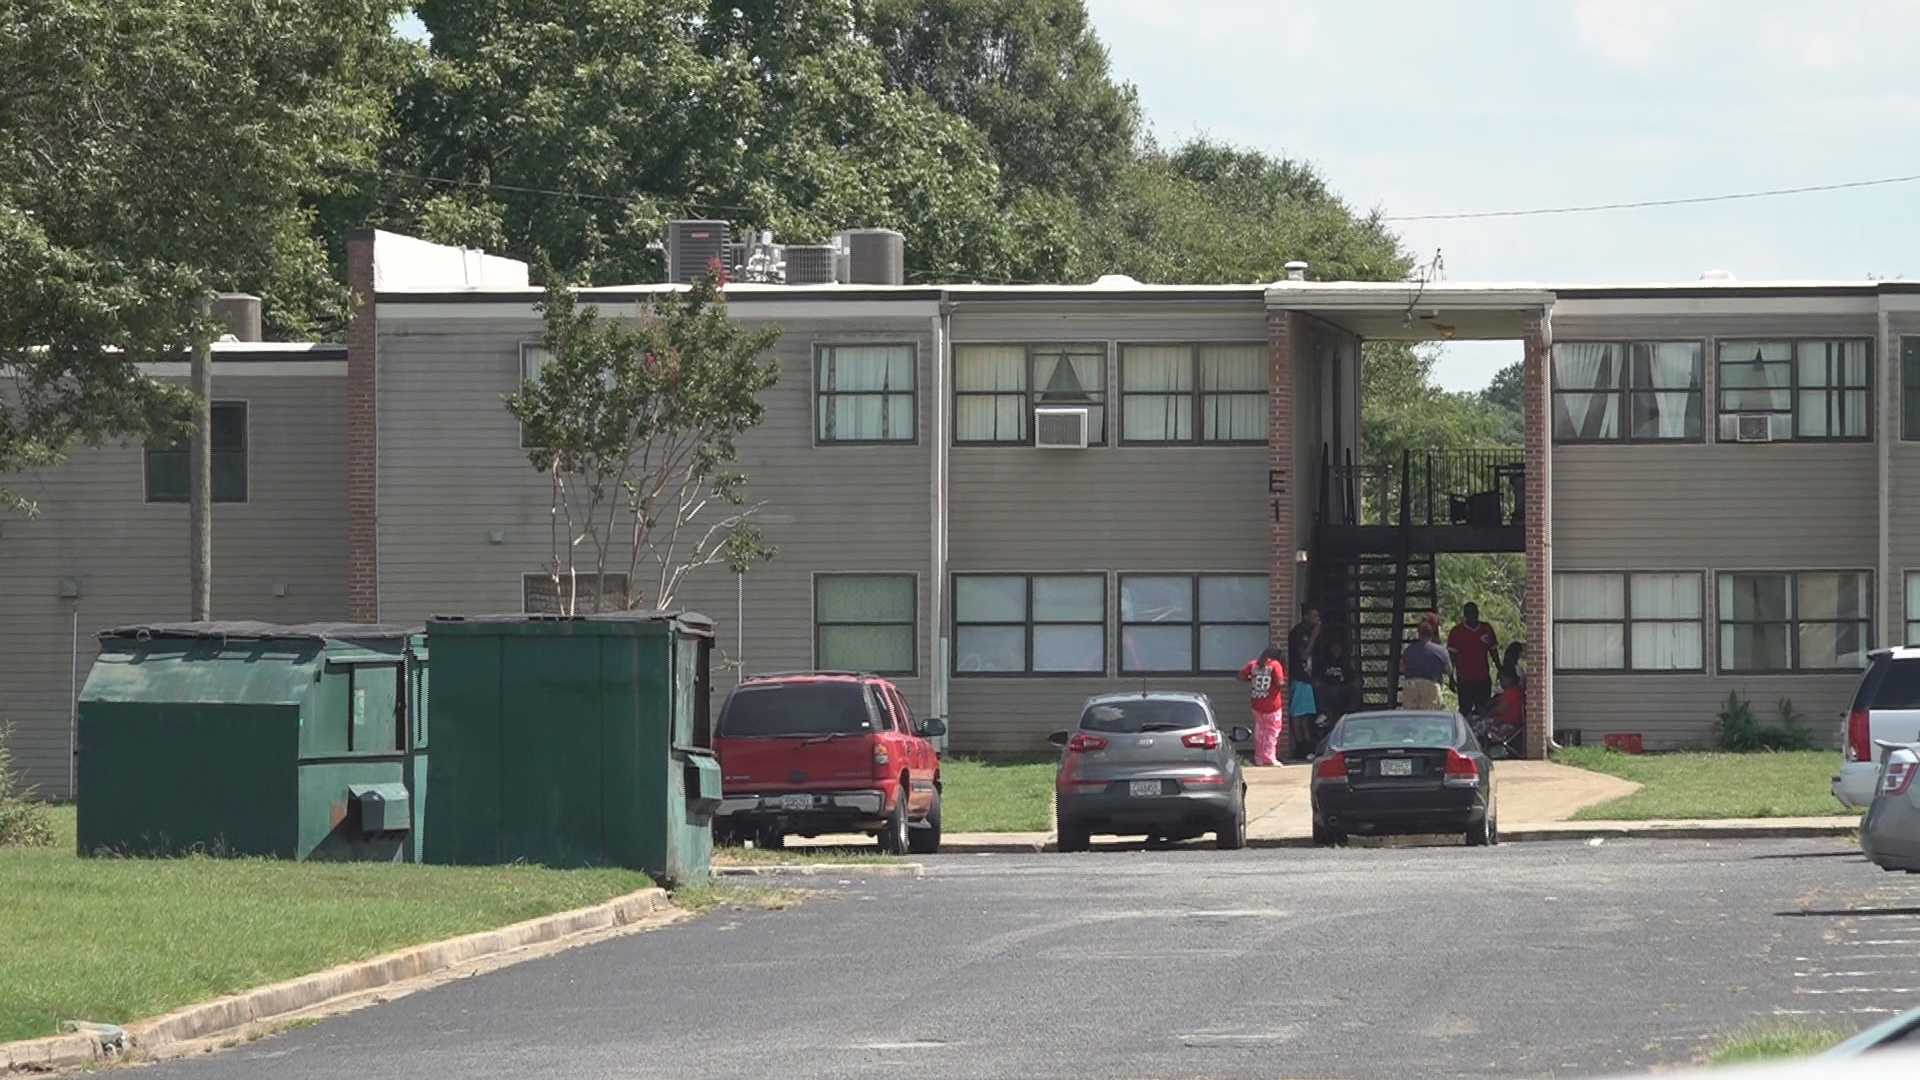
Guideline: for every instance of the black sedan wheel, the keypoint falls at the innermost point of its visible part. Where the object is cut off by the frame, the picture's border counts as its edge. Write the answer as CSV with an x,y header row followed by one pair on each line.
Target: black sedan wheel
x,y
1486,831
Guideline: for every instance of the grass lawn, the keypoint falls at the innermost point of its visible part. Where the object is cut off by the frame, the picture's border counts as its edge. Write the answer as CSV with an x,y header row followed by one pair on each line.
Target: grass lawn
x,y
1785,1041
1713,785
996,796
793,856
114,940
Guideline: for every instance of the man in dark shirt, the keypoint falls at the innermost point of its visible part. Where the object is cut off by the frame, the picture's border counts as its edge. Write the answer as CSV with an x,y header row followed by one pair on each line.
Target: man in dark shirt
x,y
1422,665
1303,648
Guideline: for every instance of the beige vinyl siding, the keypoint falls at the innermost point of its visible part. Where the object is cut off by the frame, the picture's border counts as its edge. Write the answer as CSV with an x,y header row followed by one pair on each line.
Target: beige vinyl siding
x,y
452,471
1678,711
131,558
1903,477
1111,510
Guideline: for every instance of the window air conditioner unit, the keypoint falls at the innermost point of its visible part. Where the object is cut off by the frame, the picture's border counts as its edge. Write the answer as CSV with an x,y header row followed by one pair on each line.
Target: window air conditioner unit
x,y
1060,428
1756,427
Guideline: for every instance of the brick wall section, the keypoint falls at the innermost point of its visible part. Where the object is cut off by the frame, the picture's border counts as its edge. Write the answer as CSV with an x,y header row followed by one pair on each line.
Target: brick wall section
x,y
1283,329
363,564
1539,530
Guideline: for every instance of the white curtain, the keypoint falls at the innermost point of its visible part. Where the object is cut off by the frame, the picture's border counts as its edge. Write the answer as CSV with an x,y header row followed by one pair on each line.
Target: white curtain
x,y
1593,633
1666,382
1586,380
1233,382
990,382
868,392
1158,383
1666,622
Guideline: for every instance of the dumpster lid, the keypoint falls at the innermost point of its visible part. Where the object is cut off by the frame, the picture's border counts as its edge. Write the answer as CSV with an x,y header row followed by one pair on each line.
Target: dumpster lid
x,y
260,631
692,619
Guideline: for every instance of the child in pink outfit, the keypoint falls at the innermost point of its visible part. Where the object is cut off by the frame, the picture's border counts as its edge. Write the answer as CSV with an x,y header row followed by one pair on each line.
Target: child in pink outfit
x,y
1268,677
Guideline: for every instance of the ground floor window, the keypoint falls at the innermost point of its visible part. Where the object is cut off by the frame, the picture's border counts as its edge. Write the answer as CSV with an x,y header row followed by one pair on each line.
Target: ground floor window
x,y
1211,623
1041,624
1788,621
1618,621
865,622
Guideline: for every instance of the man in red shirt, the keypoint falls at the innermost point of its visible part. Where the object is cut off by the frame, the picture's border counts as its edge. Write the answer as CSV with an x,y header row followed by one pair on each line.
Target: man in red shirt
x,y
1472,645
1269,692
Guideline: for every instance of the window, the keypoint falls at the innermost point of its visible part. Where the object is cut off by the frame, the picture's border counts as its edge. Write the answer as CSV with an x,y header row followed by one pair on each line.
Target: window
x,y
1913,608
1809,621
533,358
1191,622
1811,389
1643,391
992,402
1621,622
1910,387
169,467
865,393
864,622
540,594
1187,394
1041,624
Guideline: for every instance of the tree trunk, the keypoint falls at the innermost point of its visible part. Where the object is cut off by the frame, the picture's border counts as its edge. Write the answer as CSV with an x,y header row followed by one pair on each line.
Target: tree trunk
x,y
200,478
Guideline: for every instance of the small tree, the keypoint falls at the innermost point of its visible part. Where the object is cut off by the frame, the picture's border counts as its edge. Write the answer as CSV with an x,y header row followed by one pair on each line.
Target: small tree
x,y
635,425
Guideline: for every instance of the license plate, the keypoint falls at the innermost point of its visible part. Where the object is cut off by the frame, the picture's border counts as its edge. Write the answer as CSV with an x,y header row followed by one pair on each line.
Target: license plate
x,y
796,802
1141,789
1396,767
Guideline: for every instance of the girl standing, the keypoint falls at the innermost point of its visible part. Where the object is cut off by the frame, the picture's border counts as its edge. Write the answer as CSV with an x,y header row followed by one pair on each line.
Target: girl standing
x,y
1268,677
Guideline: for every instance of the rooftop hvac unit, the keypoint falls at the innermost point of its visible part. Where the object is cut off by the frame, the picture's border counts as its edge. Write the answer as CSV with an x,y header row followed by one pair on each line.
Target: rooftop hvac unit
x,y
1060,428
736,258
876,257
810,264
1756,427
694,248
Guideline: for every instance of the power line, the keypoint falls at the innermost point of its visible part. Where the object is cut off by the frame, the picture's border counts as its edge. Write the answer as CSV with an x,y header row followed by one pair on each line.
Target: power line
x,y
1654,202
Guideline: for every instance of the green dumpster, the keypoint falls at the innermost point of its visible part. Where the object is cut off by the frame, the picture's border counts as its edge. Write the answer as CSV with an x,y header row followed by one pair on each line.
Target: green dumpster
x,y
243,738
573,741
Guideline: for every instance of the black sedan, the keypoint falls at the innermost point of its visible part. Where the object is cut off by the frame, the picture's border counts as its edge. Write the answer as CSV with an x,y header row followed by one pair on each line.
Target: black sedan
x,y
1403,772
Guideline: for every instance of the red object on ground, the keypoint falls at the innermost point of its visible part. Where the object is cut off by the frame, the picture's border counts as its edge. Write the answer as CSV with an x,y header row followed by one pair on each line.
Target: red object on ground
x,y
1627,742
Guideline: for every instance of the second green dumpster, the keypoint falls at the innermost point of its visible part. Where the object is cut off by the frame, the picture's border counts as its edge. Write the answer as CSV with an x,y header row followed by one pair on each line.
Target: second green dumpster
x,y
573,741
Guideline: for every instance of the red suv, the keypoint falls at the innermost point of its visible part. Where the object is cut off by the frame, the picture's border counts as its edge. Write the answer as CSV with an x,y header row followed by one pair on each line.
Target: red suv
x,y
826,752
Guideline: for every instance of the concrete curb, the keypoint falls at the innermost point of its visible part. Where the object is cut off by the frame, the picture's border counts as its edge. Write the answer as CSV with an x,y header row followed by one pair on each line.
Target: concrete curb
x,y
822,870
222,1015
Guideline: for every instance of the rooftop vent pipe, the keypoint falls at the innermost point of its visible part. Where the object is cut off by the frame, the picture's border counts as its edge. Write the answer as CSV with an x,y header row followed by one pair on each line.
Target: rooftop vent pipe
x,y
1296,270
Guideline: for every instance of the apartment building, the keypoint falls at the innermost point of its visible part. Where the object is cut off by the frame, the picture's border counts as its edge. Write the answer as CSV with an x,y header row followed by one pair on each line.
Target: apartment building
x,y
1011,497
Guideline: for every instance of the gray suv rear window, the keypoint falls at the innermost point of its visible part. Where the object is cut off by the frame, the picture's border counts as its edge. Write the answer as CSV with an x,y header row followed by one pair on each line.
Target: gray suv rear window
x,y
822,708
1143,714
1890,684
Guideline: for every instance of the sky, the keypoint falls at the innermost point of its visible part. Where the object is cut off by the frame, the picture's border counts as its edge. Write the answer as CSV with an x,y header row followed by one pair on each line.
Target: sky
x,y
1443,106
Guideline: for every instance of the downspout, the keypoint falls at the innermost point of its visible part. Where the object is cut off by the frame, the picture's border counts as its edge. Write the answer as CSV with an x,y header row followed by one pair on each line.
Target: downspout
x,y
1884,434
937,591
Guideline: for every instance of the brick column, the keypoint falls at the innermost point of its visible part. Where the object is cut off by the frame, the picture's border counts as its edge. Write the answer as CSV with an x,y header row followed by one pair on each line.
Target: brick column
x,y
1539,533
363,564
1283,329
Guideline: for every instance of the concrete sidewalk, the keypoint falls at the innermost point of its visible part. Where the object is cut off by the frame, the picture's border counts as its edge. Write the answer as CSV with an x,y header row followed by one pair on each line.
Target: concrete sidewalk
x,y
1537,799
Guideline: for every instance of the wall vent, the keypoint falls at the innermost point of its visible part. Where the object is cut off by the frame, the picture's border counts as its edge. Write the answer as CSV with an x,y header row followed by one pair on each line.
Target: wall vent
x,y
1060,427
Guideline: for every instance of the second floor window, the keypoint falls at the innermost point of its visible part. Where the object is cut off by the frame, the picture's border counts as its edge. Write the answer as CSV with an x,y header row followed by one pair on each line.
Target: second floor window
x,y
1910,387
1193,394
864,393
169,468
996,387
1798,389
1642,391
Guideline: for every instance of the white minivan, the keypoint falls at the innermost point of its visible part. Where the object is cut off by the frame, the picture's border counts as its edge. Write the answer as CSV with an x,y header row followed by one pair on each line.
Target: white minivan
x,y
1885,709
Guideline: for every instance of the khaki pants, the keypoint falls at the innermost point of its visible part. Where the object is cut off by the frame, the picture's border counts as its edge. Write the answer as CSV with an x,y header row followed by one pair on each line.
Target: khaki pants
x,y
1423,694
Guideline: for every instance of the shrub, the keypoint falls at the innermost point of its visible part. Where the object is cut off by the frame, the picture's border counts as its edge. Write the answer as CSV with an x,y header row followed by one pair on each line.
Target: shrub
x,y
1736,730
24,822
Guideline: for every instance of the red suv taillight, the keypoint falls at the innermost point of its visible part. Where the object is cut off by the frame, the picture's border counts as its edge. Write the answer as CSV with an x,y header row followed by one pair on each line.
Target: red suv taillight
x,y
1461,770
1331,767
1082,743
1202,740
1897,775
1859,740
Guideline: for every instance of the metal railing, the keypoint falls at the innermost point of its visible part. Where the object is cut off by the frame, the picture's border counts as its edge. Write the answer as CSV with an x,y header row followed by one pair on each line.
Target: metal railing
x,y
1481,487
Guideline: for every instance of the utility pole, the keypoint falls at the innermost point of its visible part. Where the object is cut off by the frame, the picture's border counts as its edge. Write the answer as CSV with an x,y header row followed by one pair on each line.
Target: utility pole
x,y
200,465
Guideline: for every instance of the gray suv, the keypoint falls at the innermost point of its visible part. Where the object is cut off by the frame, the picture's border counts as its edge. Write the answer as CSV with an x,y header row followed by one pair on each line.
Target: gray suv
x,y
1154,763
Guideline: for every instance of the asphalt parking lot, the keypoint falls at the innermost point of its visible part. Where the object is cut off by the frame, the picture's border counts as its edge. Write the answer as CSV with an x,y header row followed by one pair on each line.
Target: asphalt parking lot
x,y
1529,960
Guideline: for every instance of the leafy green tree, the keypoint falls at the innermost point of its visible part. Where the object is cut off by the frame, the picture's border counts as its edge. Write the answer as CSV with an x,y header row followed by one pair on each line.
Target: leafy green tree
x,y
635,424
573,130
1030,75
151,152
